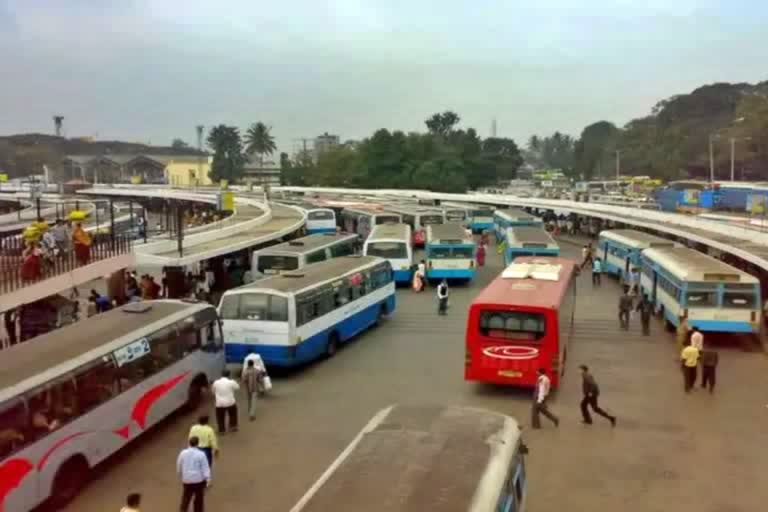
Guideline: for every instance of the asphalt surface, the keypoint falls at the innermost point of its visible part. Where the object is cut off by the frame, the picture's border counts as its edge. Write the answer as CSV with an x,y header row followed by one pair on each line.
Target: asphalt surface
x,y
669,451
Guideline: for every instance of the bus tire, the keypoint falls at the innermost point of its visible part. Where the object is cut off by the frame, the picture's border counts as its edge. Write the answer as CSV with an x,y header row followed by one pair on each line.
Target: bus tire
x,y
195,393
382,313
69,481
333,345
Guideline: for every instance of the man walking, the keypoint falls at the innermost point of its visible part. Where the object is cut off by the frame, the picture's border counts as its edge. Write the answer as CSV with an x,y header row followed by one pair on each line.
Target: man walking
x,y
625,306
586,255
206,437
442,297
597,269
540,396
645,307
709,360
690,359
226,404
591,393
192,467
251,376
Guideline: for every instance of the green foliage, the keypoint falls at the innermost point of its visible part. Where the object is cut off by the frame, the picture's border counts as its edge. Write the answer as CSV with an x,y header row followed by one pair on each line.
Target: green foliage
x,y
446,159
259,141
595,144
228,158
551,152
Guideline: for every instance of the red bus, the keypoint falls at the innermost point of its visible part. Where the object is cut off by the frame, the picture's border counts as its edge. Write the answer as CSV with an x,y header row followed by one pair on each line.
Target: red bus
x,y
521,322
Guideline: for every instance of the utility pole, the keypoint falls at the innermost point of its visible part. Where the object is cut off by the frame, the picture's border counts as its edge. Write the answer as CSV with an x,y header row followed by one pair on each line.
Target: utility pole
x,y
711,158
733,157
618,164
199,129
58,121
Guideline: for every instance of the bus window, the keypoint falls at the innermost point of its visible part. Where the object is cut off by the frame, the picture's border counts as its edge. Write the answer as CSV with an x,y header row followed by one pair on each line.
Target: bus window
x,y
96,384
387,250
741,300
253,306
439,253
512,325
13,431
343,249
163,350
276,263
278,309
316,256
701,299
188,340
462,252
320,215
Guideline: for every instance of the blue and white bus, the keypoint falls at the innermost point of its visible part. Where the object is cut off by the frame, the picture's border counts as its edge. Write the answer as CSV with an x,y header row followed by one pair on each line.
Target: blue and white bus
x,y
620,249
393,243
480,218
362,220
303,251
528,241
320,220
439,459
299,316
456,214
503,219
710,294
419,218
450,252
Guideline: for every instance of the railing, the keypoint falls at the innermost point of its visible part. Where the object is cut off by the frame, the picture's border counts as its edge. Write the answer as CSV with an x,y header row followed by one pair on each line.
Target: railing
x,y
103,246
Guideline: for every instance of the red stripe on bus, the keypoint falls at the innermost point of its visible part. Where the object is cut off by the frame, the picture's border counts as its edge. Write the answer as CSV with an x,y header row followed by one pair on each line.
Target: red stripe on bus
x,y
12,473
145,403
56,446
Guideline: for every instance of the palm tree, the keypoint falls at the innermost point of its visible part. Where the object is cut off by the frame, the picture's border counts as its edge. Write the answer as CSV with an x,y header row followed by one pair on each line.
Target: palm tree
x,y
258,140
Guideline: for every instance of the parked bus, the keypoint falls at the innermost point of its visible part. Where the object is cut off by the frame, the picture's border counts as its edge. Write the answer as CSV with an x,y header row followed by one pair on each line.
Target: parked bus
x,y
362,220
455,214
79,394
504,219
393,243
419,219
480,218
320,220
450,252
299,316
620,249
417,459
710,294
303,251
528,241
521,322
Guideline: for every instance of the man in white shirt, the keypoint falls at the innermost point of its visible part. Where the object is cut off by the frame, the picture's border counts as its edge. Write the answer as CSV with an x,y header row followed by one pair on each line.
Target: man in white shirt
x,y
697,339
540,396
224,390
195,474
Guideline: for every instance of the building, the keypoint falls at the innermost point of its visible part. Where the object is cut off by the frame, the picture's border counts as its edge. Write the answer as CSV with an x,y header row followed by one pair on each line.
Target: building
x,y
175,170
257,174
325,142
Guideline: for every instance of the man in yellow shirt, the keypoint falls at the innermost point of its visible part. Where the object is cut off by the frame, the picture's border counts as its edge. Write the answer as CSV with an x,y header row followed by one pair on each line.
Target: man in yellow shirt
x,y
206,435
690,360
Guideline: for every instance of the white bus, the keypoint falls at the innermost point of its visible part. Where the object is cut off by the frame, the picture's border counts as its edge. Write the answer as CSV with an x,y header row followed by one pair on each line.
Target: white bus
x,y
620,249
528,241
80,393
320,220
393,243
299,316
419,219
712,295
362,220
419,459
450,252
504,219
303,251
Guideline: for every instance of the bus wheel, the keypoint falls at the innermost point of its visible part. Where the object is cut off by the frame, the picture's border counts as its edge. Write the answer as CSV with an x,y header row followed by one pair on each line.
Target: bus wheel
x,y
195,394
333,345
381,315
70,479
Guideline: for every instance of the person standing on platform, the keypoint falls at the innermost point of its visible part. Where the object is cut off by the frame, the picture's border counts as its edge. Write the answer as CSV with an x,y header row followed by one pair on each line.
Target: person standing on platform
x,y
645,307
697,339
597,270
591,393
442,297
709,360
195,474
625,306
481,254
206,437
224,389
250,378
690,360
540,397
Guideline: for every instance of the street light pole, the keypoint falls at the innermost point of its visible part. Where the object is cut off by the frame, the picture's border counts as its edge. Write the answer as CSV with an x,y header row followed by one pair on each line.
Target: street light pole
x,y
711,160
618,164
733,157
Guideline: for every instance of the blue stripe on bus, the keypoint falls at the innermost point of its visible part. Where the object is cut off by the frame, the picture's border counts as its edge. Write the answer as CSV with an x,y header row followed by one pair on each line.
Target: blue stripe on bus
x,y
611,268
451,273
712,325
315,231
313,347
402,276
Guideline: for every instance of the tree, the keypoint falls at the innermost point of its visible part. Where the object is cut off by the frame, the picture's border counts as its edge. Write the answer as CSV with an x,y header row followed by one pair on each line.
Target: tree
x,y
504,155
442,124
596,141
179,144
260,141
228,158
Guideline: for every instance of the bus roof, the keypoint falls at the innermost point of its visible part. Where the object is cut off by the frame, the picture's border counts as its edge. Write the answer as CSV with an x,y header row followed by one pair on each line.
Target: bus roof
x,y
447,233
62,347
530,234
691,265
417,459
515,214
366,209
637,239
307,243
536,293
416,210
390,232
310,275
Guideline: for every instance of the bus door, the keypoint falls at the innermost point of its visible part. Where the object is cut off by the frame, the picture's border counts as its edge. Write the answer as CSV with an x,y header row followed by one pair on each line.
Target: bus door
x,y
655,284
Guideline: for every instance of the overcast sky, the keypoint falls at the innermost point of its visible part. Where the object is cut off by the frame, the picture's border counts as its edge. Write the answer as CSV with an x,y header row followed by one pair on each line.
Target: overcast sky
x,y
150,70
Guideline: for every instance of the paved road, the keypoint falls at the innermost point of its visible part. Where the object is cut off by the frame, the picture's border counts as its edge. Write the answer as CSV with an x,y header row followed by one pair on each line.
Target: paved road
x,y
692,453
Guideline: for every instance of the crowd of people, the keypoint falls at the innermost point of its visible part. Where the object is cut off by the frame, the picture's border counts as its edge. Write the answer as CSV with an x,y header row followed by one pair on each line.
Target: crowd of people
x,y
44,245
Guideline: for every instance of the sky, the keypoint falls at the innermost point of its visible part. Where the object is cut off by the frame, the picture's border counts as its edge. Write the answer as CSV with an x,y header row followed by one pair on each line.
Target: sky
x,y
151,70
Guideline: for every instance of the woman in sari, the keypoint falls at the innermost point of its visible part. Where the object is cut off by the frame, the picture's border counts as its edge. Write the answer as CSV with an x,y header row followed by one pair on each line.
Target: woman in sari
x,y
481,254
82,241
31,263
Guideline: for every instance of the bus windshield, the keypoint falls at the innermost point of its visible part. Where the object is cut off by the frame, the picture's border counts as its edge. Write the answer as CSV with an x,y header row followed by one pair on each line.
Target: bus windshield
x,y
443,253
512,325
431,219
320,215
482,213
271,264
383,219
390,250
254,306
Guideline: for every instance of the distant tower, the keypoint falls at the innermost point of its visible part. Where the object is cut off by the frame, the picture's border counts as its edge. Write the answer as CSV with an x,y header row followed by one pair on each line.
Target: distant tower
x,y
199,175
199,137
58,122
493,128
